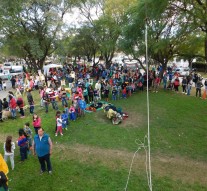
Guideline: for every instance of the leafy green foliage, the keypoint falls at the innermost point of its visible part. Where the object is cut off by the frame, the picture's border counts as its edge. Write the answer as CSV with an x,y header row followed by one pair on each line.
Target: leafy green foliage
x,y
31,28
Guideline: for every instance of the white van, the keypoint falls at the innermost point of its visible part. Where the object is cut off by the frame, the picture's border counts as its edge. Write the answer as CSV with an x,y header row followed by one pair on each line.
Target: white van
x,y
7,65
14,71
183,71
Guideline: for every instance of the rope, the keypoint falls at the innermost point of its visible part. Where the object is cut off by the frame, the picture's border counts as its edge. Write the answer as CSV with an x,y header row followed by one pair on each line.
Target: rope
x,y
142,145
148,123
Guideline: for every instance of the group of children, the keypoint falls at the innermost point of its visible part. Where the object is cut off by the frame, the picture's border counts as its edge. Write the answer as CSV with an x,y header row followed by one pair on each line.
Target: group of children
x,y
77,109
24,142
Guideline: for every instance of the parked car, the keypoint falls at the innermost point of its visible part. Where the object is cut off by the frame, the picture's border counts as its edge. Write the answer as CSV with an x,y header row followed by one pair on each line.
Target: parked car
x,y
7,65
182,71
131,64
16,70
4,74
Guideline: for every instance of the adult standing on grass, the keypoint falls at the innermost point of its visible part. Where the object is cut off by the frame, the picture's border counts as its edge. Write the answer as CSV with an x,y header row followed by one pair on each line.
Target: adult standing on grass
x,y
199,85
184,84
176,84
13,82
20,104
30,101
12,106
42,146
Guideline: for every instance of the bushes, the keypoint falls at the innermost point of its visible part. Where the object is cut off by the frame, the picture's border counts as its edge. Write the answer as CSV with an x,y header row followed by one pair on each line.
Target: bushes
x,y
200,66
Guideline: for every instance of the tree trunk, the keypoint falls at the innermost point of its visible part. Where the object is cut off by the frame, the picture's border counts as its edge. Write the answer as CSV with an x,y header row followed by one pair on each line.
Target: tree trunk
x,y
164,67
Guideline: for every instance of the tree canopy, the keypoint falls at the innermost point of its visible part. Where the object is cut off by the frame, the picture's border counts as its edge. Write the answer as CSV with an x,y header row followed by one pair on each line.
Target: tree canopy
x,y
33,29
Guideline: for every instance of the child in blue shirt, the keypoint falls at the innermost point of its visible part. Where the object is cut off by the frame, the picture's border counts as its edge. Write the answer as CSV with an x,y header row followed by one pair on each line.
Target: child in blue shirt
x,y
82,106
114,94
65,121
66,109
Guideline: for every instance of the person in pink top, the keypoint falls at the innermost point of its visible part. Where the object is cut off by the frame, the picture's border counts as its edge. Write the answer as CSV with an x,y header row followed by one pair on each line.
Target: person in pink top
x,y
156,83
31,84
72,113
41,92
79,90
36,122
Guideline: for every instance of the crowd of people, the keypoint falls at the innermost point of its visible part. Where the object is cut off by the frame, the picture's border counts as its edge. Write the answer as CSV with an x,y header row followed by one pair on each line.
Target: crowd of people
x,y
74,88
76,83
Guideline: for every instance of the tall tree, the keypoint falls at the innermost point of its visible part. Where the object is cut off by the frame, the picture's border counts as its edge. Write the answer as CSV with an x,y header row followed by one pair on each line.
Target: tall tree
x,y
32,27
163,31
106,29
191,48
195,13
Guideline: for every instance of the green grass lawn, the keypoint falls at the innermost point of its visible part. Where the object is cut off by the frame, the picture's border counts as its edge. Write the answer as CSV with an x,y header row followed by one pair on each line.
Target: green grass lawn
x,y
94,155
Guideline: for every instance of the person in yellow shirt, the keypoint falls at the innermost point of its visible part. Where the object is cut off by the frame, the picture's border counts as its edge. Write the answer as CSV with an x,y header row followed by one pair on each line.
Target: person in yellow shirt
x,y
4,170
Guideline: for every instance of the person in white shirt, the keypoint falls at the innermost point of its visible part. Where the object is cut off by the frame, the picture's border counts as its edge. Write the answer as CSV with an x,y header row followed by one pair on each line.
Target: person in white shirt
x,y
98,87
59,125
9,148
4,85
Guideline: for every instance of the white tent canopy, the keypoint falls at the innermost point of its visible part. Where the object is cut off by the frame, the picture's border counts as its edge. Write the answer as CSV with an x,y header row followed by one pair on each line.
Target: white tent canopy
x,y
46,68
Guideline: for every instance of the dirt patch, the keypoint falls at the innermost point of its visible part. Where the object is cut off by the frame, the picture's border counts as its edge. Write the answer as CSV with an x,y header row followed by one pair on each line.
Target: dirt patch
x,y
183,169
101,117
133,121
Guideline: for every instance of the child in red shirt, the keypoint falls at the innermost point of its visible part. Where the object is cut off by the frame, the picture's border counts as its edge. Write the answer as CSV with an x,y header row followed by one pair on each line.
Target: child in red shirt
x,y
124,92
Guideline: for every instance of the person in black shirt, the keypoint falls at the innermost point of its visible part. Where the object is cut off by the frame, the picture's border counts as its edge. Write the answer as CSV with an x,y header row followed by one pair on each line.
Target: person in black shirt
x,y
30,101
114,93
1,108
1,87
13,81
5,104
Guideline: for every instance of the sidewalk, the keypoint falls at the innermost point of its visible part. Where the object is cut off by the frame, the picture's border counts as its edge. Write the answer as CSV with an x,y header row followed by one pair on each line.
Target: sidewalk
x,y
3,93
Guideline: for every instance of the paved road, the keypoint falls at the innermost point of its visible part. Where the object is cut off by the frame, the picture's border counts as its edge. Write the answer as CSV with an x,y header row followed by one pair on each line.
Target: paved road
x,y
3,93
